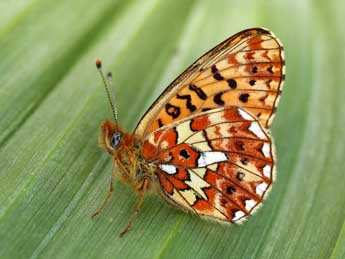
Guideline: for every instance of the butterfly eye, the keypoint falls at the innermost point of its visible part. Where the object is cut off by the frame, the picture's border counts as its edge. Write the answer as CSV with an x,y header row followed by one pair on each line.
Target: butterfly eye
x,y
115,139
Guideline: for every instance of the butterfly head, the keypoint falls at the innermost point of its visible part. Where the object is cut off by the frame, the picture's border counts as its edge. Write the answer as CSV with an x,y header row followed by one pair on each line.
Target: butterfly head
x,y
110,137
120,145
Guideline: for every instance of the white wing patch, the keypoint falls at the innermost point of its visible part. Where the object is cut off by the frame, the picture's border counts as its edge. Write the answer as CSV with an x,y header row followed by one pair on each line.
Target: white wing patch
x,y
266,150
249,204
238,214
255,128
170,169
207,158
267,170
245,115
261,188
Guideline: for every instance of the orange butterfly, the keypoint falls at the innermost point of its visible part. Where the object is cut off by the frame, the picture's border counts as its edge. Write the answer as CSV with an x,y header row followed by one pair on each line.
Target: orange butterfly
x,y
204,145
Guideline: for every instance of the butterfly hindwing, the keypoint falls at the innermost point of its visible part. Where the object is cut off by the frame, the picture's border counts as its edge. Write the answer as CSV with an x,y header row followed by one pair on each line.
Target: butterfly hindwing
x,y
218,163
246,70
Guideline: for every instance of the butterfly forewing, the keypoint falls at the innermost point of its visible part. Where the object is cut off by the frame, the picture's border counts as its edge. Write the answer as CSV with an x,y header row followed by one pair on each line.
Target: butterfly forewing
x,y
246,70
218,163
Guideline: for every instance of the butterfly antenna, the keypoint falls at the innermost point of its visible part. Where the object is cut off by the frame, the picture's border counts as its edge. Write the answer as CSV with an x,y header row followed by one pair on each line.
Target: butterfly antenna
x,y
107,85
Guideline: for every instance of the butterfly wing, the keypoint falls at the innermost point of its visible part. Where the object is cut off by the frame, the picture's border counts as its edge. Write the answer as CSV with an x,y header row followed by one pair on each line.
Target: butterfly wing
x,y
246,70
218,163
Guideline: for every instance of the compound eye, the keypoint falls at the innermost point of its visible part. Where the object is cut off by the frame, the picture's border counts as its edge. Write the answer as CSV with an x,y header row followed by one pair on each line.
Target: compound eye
x,y
115,139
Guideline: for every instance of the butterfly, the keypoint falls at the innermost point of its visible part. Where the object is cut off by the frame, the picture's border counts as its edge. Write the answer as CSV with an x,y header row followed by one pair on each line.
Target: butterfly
x,y
204,145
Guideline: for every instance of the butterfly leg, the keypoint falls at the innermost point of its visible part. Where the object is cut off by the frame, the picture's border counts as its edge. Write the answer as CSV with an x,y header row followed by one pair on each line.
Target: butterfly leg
x,y
107,199
137,208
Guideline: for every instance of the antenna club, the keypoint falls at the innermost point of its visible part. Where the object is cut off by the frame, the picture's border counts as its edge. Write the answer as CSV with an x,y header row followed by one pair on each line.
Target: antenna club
x,y
109,75
98,63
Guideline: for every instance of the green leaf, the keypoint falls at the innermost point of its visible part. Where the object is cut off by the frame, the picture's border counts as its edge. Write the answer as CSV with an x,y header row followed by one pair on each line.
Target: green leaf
x,y
53,176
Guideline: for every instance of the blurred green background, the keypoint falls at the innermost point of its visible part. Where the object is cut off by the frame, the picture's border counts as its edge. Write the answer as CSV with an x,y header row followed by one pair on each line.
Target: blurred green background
x,y
53,176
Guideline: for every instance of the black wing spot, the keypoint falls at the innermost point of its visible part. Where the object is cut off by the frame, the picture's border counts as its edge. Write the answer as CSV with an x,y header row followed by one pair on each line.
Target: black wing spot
x,y
214,69
184,154
218,77
230,190
232,83
244,161
216,74
200,93
172,110
252,82
239,176
255,69
218,99
188,99
160,123
244,98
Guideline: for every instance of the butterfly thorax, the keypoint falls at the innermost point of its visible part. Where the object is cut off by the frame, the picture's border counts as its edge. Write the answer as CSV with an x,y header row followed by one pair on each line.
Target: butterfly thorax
x,y
132,168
